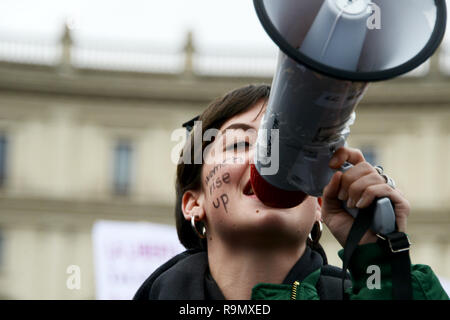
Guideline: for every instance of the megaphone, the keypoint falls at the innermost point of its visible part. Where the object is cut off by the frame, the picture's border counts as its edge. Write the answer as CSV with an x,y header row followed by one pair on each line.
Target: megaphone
x,y
329,51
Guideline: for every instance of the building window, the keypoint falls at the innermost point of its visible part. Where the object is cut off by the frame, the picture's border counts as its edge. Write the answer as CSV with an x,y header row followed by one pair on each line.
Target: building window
x,y
3,150
122,168
370,154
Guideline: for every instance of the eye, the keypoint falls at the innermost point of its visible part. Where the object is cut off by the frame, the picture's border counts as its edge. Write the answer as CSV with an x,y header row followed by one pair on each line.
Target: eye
x,y
239,145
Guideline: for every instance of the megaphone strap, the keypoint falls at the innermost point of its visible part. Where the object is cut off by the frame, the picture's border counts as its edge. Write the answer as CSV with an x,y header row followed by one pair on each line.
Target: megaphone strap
x,y
396,243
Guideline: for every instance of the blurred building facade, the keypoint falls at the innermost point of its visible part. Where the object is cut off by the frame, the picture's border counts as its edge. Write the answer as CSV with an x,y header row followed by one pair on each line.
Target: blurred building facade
x,y
79,144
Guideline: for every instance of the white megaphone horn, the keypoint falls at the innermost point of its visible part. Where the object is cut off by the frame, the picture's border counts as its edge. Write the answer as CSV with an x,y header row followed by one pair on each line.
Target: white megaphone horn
x,y
329,51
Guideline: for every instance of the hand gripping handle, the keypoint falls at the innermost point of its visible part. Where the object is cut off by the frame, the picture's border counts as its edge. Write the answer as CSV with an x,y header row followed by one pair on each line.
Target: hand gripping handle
x,y
384,216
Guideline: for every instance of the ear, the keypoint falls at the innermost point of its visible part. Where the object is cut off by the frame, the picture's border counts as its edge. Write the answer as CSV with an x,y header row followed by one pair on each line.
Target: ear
x,y
192,205
319,209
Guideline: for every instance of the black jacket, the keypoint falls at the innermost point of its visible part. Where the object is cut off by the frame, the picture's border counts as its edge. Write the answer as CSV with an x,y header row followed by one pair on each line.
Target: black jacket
x,y
186,277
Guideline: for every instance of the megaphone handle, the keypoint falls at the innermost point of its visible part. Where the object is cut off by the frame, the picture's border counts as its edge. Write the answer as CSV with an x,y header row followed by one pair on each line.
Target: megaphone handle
x,y
384,216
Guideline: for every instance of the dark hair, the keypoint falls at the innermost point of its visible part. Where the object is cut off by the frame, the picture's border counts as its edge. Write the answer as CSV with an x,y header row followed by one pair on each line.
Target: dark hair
x,y
189,174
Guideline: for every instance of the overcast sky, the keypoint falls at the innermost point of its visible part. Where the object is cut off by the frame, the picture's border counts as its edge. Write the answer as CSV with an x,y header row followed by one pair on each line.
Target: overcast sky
x,y
219,23
230,24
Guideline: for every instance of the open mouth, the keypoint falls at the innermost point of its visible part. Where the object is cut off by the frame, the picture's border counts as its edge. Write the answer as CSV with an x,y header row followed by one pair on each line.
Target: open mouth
x,y
248,190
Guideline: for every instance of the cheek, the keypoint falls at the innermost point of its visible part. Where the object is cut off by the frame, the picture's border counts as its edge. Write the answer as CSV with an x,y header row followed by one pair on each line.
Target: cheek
x,y
221,185
309,210
310,204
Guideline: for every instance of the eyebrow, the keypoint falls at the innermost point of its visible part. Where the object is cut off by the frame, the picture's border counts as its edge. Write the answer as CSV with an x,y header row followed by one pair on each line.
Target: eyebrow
x,y
238,125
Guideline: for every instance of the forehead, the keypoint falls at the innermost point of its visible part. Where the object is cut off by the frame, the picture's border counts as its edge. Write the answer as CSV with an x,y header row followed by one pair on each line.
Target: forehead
x,y
252,116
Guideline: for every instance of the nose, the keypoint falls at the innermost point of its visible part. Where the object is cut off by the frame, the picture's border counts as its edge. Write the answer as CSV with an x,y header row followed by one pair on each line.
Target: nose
x,y
241,157
250,155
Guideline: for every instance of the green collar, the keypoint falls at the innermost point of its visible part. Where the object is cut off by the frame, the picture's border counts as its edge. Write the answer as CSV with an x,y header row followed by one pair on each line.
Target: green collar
x,y
305,290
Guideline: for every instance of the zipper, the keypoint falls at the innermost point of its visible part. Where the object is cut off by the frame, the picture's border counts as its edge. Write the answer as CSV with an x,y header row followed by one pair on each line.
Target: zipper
x,y
294,290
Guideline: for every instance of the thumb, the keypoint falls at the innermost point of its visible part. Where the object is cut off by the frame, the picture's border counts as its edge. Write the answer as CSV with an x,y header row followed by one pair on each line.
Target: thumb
x,y
331,205
331,191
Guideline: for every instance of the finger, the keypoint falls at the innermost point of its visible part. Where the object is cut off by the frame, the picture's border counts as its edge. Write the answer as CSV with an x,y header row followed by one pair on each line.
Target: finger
x,y
379,191
401,205
345,154
354,173
359,185
400,191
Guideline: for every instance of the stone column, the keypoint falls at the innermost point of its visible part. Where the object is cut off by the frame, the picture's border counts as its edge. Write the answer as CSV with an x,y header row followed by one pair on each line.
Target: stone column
x,y
65,63
189,51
